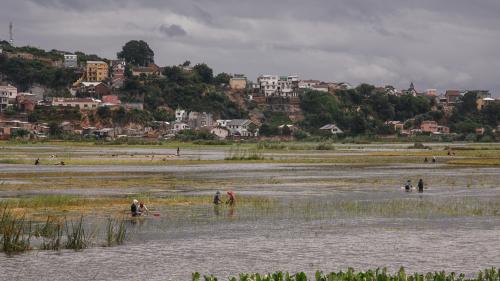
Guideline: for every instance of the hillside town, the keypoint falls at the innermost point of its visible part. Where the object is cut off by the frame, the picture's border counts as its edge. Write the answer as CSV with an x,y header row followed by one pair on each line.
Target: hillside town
x,y
101,88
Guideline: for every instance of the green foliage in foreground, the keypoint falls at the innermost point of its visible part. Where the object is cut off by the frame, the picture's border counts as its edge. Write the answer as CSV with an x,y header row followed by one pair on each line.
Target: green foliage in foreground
x,y
370,275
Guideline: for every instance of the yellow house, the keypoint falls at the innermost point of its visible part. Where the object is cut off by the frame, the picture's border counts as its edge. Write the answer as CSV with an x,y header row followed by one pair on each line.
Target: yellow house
x,y
96,71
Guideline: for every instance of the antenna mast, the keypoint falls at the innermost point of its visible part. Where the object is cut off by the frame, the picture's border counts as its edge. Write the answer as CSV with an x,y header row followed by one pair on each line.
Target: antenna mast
x,y
11,35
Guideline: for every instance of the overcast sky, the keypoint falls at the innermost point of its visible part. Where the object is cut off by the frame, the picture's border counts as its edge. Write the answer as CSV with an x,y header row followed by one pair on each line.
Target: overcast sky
x,y
443,44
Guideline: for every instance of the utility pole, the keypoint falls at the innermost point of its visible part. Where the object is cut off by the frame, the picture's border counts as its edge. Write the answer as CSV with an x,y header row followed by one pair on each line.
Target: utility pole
x,y
11,35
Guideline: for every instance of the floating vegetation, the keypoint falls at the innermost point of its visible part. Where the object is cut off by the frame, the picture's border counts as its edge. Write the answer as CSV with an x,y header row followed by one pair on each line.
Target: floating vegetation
x,y
351,275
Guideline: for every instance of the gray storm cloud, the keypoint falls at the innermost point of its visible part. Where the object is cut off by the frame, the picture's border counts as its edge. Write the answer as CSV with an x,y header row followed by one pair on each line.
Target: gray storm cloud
x,y
172,30
436,44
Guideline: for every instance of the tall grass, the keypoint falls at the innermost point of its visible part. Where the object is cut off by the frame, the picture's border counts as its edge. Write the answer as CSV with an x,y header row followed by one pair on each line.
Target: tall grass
x,y
115,232
244,154
370,275
77,238
296,146
15,233
52,233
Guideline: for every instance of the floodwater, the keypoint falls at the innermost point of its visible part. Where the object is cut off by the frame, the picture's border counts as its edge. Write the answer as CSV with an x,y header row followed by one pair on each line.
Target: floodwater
x,y
297,234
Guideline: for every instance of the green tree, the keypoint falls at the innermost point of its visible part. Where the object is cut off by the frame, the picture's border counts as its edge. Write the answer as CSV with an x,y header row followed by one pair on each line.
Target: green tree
x,y
222,78
204,72
137,52
491,114
319,109
21,133
54,129
104,112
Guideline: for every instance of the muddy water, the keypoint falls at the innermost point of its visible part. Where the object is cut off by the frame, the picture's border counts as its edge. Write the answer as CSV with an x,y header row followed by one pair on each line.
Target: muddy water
x,y
247,239
228,248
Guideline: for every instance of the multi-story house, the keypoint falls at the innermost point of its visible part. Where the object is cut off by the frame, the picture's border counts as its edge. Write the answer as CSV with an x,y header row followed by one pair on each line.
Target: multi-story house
x,y
308,84
452,97
197,120
96,71
433,127
239,127
278,86
70,61
117,73
8,96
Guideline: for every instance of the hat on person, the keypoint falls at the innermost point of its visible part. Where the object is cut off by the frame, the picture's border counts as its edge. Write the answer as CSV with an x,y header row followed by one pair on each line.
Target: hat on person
x,y
135,201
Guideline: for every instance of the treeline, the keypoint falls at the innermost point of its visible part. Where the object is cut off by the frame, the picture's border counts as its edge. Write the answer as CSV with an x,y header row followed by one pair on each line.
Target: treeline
x,y
364,110
195,89
25,73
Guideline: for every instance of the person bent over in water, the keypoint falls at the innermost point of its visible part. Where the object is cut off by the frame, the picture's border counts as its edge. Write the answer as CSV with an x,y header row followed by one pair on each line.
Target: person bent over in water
x,y
217,199
143,209
231,198
408,186
134,208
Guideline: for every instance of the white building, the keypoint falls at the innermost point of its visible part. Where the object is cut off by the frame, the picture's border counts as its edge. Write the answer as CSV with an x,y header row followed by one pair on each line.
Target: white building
x,y
70,61
237,127
273,85
81,103
308,84
332,128
8,95
179,126
180,115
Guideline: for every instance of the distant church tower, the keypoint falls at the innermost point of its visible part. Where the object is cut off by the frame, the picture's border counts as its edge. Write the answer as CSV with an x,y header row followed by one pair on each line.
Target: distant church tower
x,y
11,34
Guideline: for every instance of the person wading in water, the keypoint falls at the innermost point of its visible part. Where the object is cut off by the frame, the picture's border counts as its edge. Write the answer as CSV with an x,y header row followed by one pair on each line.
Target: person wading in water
x,y
420,186
217,199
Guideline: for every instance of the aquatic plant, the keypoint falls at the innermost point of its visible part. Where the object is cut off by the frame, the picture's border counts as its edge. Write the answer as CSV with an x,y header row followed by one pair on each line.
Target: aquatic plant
x,y
115,232
15,233
370,275
244,154
51,232
77,238
325,146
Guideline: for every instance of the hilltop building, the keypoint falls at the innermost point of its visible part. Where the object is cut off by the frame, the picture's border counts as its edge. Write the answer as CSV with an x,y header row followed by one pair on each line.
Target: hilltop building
x,y
238,82
96,71
278,86
70,61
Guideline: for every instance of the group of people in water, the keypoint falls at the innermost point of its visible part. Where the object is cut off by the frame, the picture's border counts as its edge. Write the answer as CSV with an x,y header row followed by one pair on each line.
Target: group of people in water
x,y
60,163
434,160
420,186
138,208
231,198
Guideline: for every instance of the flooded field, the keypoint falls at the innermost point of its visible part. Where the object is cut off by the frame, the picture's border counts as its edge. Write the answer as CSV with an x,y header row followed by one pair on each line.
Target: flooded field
x,y
297,209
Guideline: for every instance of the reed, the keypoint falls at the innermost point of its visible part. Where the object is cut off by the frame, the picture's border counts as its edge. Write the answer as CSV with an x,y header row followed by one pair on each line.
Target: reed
x,y
115,232
244,154
77,238
15,233
51,233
